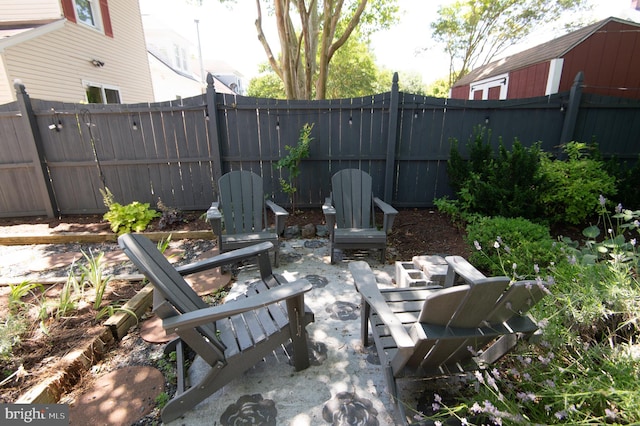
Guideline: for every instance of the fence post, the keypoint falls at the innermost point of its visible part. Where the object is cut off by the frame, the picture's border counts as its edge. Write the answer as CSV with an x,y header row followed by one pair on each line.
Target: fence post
x,y
214,136
575,95
392,140
33,138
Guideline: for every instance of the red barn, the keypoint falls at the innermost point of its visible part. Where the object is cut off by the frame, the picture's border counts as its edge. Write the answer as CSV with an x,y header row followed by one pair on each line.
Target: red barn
x,y
607,52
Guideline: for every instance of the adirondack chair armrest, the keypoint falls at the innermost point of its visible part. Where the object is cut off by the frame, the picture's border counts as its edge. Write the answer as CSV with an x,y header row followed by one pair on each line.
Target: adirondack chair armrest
x,y
366,285
280,214
230,257
389,213
204,316
329,212
214,217
458,266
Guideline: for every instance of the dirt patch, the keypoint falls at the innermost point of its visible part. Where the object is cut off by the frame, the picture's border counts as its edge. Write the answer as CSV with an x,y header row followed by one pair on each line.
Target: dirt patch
x,y
49,340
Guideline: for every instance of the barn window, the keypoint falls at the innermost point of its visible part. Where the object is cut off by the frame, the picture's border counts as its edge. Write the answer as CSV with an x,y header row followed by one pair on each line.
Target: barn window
x,y
493,88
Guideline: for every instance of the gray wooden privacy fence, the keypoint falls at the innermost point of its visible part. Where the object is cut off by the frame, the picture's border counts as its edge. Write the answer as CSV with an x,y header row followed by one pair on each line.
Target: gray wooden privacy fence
x,y
56,156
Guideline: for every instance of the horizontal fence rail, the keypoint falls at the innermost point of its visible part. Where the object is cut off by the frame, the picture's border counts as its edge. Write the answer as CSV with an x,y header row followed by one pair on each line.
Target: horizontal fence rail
x,y
57,157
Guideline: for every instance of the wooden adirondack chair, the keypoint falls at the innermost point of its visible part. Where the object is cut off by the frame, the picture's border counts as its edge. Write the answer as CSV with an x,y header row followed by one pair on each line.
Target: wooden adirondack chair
x,y
349,213
429,331
239,217
231,337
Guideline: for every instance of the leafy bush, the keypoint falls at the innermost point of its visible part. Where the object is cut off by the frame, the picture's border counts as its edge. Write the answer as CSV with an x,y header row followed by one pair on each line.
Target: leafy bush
x,y
571,187
502,185
135,216
583,368
510,245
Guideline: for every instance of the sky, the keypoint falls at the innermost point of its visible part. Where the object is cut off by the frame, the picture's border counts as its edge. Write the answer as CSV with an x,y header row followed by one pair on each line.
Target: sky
x,y
228,33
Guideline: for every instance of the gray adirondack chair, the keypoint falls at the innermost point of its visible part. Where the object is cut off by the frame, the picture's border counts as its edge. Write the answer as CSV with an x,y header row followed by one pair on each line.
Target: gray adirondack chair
x,y
231,337
239,217
428,331
350,214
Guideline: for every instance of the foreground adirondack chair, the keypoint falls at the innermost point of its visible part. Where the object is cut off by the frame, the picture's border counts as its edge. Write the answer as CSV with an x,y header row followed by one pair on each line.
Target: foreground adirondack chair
x,y
239,217
349,213
429,331
231,337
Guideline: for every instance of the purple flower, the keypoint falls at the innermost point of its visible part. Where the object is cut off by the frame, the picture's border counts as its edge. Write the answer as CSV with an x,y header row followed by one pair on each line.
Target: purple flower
x,y
536,268
619,208
610,413
602,200
561,415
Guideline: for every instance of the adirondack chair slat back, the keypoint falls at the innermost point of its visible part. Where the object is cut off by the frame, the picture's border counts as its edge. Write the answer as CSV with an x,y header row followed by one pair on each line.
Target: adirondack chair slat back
x,y
463,305
242,201
517,300
353,198
165,279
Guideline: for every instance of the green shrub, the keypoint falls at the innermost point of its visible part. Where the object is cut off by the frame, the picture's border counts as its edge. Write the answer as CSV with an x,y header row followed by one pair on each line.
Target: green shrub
x,y
571,188
500,243
505,184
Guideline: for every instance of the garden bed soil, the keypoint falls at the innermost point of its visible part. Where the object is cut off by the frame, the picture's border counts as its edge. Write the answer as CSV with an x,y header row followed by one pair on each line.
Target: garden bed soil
x,y
415,232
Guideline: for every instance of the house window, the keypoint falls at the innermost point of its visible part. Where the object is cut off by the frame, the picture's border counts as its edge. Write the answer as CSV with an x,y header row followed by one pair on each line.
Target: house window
x,y
88,12
101,94
92,13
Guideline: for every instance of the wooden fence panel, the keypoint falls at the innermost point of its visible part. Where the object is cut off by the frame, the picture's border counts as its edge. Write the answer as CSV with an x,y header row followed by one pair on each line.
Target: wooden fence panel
x,y
613,123
165,150
20,192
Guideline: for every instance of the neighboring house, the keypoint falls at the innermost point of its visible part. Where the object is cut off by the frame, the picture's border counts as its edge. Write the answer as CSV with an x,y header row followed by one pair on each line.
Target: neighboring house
x,y
227,75
607,52
171,60
74,51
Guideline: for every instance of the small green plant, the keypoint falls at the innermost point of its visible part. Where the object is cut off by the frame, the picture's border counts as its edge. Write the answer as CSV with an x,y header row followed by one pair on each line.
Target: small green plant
x,y
135,216
162,400
69,295
292,162
93,273
18,291
109,310
11,330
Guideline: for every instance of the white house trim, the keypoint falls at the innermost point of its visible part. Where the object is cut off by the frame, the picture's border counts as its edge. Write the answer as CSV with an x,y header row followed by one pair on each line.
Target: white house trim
x,y
31,33
555,72
501,80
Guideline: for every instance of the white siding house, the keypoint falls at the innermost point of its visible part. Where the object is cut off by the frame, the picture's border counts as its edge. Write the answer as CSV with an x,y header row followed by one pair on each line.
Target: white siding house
x,y
74,51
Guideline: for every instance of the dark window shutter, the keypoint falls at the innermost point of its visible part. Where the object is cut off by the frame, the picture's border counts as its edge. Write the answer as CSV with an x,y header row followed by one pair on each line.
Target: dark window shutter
x,y
106,19
68,11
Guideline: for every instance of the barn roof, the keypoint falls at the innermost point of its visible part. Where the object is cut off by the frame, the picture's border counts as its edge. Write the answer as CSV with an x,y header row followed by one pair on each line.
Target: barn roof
x,y
553,49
